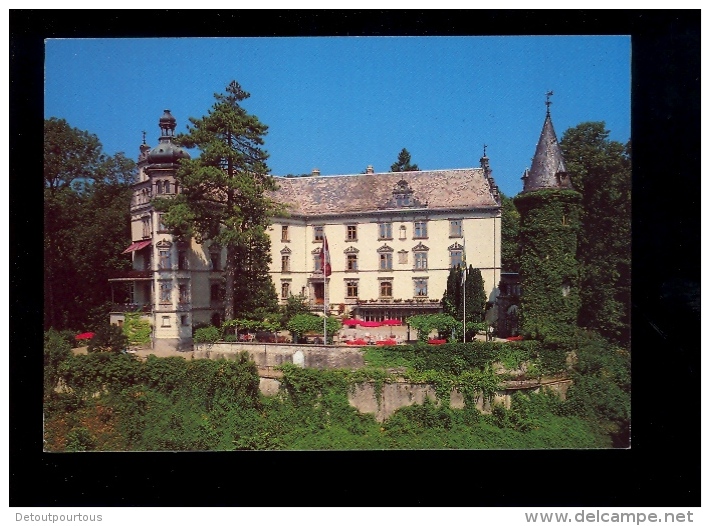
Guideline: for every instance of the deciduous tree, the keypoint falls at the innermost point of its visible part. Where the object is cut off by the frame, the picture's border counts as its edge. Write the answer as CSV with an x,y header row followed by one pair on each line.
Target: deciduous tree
x,y
601,170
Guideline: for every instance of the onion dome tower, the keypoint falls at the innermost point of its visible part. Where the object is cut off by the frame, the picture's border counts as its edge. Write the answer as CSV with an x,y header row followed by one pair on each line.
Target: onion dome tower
x,y
549,224
162,161
166,152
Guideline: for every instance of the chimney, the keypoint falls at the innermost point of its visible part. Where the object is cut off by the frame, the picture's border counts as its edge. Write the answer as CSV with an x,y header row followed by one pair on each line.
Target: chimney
x,y
315,172
370,169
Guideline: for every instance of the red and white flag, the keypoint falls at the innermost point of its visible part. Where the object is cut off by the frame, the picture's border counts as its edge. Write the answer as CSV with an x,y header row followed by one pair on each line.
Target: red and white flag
x,y
325,257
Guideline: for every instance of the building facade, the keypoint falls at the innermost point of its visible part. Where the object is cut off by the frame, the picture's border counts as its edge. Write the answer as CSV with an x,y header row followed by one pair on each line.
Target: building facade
x,y
392,239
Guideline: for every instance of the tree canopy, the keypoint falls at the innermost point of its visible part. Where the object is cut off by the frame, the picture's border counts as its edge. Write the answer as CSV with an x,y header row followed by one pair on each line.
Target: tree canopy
x,y
224,199
475,297
403,163
86,225
601,170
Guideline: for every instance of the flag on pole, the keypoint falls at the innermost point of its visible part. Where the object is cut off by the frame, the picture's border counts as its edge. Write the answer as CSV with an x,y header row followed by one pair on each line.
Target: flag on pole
x,y
325,258
463,258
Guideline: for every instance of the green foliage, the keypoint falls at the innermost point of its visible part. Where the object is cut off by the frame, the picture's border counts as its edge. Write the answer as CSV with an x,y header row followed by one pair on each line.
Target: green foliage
x,y
108,338
475,299
601,170
509,232
56,350
295,305
136,329
251,325
301,324
444,324
207,335
602,385
225,198
86,225
548,268
403,163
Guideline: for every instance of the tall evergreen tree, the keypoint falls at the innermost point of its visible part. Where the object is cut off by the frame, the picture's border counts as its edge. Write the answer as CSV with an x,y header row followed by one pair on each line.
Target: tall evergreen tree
x,y
224,198
403,163
601,170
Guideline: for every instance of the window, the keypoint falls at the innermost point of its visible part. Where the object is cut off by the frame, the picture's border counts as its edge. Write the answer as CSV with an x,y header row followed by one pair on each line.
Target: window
x,y
215,259
166,321
167,187
284,233
403,257
420,229
456,228
385,231
420,260
285,289
386,261
456,258
183,293
182,260
317,263
146,226
164,255
351,232
176,188
402,232
285,263
385,289
351,289
165,290
317,233
184,320
420,287
161,225
352,262
216,292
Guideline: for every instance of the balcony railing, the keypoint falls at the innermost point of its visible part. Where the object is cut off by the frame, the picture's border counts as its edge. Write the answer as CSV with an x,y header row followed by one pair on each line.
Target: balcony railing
x,y
130,307
131,275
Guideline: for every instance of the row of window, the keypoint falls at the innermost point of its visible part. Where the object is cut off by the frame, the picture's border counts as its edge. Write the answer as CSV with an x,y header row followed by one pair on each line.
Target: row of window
x,y
166,291
421,261
421,286
384,231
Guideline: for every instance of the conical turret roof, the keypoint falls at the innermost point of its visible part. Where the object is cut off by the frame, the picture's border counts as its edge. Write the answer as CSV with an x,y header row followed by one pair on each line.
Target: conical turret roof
x,y
548,166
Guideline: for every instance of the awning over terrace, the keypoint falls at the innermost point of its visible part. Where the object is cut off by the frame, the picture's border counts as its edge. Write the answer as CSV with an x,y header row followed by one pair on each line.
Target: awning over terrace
x,y
136,246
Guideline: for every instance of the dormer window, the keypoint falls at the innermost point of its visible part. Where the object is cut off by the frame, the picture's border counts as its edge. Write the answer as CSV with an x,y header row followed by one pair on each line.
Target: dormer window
x,y
403,197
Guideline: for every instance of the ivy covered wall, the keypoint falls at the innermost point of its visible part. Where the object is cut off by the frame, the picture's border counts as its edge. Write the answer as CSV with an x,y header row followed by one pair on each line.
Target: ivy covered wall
x,y
549,272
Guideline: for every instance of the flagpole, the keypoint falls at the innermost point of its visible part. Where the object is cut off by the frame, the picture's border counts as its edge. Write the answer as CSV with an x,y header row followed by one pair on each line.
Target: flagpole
x,y
463,280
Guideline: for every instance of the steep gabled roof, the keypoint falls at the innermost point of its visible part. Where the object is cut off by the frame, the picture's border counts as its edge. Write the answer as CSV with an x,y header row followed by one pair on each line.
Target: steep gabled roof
x,y
464,188
548,166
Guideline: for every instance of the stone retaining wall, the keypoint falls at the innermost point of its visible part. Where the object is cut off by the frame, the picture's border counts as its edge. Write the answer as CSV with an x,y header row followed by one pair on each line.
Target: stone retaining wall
x,y
270,354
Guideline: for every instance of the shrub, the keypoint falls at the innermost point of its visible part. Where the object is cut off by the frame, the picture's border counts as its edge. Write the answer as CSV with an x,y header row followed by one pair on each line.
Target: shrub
x,y
207,335
136,329
108,338
56,350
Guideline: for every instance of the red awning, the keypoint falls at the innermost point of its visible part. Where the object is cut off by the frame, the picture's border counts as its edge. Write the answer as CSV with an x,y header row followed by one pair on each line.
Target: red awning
x,y
350,321
391,322
370,324
136,246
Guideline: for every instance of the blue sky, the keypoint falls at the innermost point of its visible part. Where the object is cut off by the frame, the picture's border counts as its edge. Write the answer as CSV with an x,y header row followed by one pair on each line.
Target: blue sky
x,y
342,103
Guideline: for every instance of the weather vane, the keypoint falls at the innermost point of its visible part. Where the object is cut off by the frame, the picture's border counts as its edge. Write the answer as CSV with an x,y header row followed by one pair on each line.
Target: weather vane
x,y
143,136
484,149
548,101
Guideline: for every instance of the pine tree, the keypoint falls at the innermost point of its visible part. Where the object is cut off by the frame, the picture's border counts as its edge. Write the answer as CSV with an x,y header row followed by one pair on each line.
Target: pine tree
x,y
224,198
403,163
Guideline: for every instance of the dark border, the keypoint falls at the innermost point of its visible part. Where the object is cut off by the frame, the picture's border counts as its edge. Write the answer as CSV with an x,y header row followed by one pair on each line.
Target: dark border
x,y
661,469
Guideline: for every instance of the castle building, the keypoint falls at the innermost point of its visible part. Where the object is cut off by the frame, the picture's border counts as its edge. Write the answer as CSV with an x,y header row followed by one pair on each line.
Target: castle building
x,y
392,239
549,225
